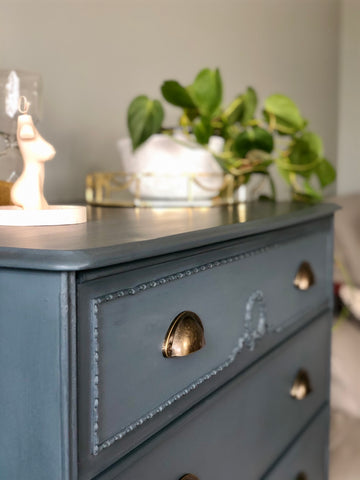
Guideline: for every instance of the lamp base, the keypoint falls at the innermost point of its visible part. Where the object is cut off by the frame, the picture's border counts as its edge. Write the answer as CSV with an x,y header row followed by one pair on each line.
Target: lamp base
x,y
53,215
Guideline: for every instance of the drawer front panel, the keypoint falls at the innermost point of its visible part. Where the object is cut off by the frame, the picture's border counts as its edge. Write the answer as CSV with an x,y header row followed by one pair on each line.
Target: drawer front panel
x,y
307,458
240,296
239,431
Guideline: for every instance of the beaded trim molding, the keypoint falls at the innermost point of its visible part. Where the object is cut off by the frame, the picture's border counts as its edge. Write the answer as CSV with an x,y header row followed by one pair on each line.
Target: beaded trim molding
x,y
248,340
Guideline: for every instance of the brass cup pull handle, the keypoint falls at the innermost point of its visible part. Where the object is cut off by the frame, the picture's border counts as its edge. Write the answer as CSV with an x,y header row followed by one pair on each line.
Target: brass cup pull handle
x,y
301,387
189,476
304,278
184,336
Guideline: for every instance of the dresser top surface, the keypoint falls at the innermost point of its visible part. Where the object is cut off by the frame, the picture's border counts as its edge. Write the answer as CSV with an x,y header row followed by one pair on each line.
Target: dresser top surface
x,y
118,235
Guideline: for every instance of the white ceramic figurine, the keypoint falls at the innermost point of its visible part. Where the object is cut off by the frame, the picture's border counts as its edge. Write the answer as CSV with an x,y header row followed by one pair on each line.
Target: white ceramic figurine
x,y
30,206
28,191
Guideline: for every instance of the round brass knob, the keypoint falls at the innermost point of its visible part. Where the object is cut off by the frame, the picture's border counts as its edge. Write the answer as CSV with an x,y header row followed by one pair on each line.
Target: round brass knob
x,y
301,387
184,336
189,476
305,277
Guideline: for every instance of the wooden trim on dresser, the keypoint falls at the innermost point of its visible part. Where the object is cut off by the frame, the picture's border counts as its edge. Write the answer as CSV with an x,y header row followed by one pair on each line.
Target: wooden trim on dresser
x,y
68,375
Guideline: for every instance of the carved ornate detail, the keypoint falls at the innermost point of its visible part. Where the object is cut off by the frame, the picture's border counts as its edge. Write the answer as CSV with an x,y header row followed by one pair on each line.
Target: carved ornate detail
x,y
254,332
179,275
248,340
95,378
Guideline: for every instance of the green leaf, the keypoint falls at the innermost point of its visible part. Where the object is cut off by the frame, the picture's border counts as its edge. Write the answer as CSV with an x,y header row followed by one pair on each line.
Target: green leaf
x,y
206,91
255,138
144,118
250,104
203,131
306,151
234,112
281,127
242,108
313,142
301,197
286,113
325,172
301,153
311,192
265,198
176,94
191,113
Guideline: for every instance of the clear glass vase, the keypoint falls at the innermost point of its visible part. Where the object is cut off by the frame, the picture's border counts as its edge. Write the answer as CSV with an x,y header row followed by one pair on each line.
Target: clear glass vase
x,y
13,85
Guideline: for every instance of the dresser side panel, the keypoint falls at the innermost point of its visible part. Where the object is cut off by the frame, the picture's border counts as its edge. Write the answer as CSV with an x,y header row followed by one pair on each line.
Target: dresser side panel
x,y
33,386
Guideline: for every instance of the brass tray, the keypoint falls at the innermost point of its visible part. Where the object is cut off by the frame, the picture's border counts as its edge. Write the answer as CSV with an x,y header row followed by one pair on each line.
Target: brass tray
x,y
120,189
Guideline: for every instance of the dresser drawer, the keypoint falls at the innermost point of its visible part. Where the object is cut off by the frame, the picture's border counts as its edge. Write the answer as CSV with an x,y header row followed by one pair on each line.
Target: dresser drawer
x,y
240,294
307,458
240,430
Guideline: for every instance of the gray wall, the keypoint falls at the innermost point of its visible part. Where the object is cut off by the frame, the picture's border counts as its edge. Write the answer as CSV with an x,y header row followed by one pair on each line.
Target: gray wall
x,y
349,99
95,56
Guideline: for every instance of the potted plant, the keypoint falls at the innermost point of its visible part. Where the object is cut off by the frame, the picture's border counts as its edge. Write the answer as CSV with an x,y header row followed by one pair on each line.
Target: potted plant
x,y
250,144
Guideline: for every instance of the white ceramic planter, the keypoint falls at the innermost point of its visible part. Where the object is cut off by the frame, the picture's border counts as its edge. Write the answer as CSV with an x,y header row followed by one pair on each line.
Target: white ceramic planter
x,y
165,169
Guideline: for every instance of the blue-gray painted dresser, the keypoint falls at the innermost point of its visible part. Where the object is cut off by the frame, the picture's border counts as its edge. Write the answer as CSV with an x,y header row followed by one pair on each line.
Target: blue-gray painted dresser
x,y
170,344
